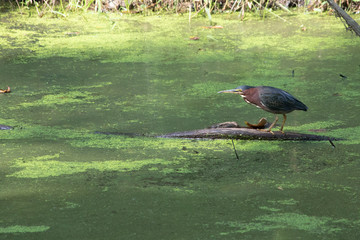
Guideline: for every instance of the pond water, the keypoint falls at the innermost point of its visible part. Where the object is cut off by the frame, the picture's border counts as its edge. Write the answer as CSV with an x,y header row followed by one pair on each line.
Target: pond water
x,y
143,75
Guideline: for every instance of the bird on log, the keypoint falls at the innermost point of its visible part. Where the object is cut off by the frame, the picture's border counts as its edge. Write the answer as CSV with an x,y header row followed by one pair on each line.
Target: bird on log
x,y
270,99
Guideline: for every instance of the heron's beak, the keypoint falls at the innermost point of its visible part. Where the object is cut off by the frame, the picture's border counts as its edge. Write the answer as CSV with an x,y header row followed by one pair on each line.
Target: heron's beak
x,y
231,91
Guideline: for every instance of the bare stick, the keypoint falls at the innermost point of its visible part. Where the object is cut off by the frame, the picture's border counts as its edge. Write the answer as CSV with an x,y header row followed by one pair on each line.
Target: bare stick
x,y
331,142
237,156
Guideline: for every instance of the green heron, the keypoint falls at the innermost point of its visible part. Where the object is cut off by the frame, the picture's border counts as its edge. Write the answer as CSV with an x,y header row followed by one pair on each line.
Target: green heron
x,y
270,99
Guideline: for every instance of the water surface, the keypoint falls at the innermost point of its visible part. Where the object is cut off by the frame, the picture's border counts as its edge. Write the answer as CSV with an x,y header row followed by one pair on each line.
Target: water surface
x,y
144,75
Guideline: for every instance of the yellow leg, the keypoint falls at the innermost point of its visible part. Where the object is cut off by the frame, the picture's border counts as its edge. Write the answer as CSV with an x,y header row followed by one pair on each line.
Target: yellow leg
x,y
272,125
282,126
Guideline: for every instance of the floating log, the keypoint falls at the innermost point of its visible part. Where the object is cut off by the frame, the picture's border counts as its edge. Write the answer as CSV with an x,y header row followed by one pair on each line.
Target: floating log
x,y
229,131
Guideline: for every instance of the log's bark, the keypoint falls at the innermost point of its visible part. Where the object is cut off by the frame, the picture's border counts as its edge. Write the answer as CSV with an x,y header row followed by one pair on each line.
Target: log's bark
x,y
244,133
353,25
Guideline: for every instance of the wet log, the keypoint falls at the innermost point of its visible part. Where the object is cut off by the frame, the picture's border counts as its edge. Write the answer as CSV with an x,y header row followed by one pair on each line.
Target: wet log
x,y
244,133
352,24
232,130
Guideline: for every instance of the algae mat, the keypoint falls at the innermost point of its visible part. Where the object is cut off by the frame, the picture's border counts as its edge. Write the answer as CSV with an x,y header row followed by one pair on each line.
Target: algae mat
x,y
144,75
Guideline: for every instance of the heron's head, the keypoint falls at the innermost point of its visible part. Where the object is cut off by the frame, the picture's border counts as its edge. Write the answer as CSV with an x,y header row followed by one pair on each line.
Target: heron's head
x,y
237,90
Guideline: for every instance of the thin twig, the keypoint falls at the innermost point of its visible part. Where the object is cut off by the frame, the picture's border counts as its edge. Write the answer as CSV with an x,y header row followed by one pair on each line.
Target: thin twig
x,y
189,13
270,11
282,7
237,156
234,5
198,12
56,12
332,144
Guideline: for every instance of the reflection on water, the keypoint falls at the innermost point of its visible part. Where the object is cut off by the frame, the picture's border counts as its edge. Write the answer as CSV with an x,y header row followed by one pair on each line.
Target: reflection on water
x,y
60,180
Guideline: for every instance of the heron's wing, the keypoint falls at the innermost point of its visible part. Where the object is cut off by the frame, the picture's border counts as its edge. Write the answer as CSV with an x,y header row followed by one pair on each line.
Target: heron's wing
x,y
277,101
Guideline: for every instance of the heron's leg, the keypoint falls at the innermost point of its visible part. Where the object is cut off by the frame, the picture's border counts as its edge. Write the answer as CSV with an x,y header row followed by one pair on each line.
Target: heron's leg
x,y
282,126
271,126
